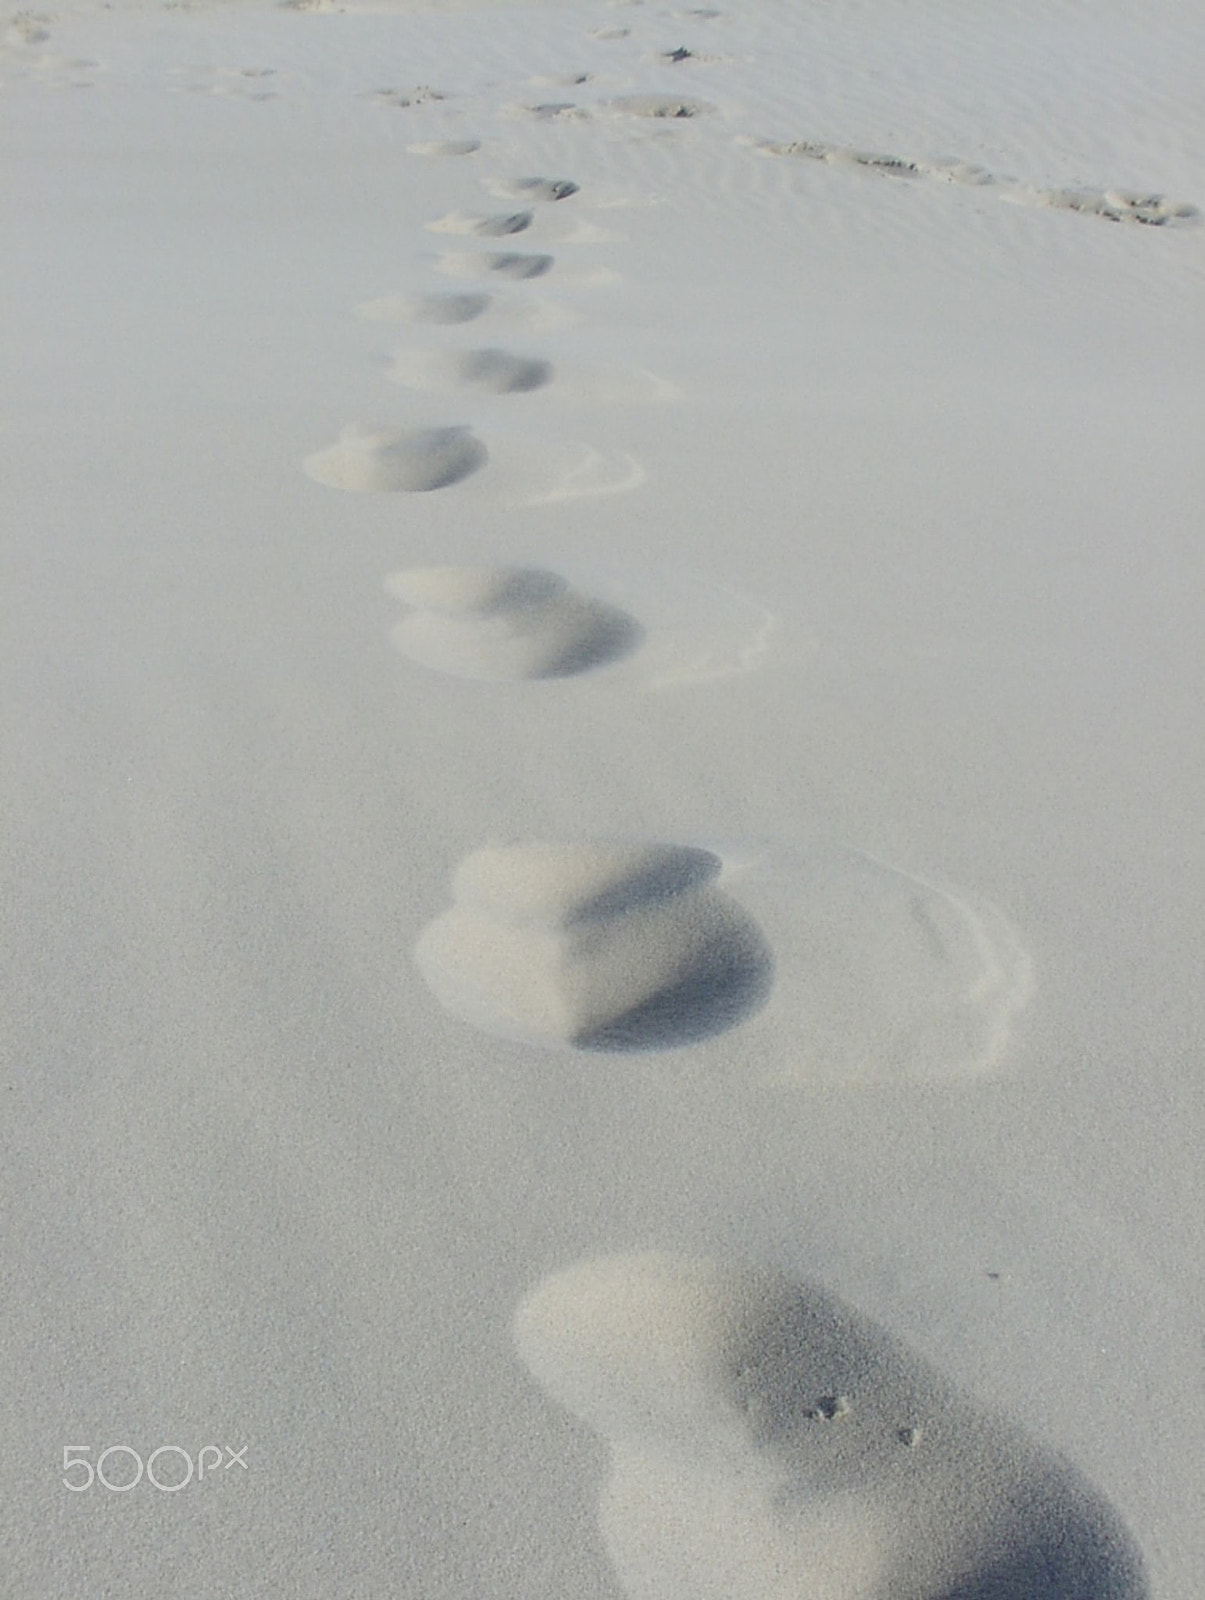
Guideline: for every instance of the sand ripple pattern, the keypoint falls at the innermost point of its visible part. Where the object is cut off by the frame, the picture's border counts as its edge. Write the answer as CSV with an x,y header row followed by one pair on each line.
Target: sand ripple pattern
x,y
595,946
505,624
768,1442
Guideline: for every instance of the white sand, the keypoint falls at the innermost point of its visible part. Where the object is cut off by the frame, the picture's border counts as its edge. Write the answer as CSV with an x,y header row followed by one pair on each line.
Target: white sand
x,y
811,486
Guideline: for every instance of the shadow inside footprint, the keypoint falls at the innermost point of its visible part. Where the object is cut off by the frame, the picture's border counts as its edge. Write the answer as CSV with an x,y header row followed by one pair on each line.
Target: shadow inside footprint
x,y
413,461
510,264
502,373
733,977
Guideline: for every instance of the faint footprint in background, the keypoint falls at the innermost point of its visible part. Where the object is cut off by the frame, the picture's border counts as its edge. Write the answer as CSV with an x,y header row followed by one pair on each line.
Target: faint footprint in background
x,y
495,371
406,99
673,107
444,147
768,1442
236,83
507,264
21,44
551,111
485,227
533,189
595,946
413,460
505,624
437,309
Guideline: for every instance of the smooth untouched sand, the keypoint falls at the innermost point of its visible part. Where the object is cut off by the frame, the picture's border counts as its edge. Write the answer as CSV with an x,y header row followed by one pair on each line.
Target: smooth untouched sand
x,y
602,680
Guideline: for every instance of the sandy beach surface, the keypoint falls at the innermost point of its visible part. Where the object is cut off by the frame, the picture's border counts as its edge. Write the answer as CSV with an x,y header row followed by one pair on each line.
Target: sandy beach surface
x,y
602,801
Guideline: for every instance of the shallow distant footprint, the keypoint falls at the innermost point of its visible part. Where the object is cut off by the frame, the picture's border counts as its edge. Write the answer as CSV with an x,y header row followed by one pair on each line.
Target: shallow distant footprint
x,y
595,946
413,460
485,227
505,623
445,309
444,147
496,371
768,1442
540,189
661,105
507,264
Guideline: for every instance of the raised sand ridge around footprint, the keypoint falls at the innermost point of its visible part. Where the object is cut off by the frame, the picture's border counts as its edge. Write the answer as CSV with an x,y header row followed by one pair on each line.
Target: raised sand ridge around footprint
x,y
598,946
505,623
883,976
768,1442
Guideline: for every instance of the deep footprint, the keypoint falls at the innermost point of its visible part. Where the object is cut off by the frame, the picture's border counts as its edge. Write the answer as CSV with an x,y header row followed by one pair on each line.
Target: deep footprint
x,y
505,624
496,371
767,1442
595,946
414,461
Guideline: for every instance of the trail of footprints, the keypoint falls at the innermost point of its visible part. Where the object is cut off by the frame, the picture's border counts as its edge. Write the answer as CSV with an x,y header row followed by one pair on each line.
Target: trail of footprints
x,y
1114,205
766,1441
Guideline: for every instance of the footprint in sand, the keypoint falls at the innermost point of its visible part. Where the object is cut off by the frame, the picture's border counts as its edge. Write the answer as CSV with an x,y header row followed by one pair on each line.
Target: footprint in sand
x,y
444,147
484,227
242,83
405,99
551,111
542,190
515,265
505,624
439,309
1113,205
495,371
660,105
768,1442
413,460
594,946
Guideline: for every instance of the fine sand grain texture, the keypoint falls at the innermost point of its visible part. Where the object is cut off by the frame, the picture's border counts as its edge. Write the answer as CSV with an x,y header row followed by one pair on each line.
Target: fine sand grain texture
x,y
601,664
